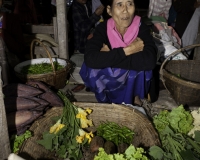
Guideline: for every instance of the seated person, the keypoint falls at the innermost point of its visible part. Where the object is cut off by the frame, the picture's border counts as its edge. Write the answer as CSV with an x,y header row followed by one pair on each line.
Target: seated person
x,y
83,22
120,57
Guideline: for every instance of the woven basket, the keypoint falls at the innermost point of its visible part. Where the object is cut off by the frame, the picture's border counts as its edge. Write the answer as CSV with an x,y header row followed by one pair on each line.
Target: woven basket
x,y
182,79
145,134
57,79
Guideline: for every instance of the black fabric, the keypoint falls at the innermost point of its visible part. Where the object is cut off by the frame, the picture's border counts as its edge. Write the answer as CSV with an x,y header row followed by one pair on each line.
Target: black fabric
x,y
144,60
184,10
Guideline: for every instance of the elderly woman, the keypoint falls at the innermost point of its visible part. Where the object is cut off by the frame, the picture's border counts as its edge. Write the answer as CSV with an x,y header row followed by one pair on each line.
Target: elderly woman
x,y
120,56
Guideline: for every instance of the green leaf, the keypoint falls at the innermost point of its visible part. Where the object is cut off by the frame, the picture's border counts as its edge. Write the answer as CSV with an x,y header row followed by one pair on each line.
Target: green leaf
x,y
62,152
188,155
156,152
197,136
47,140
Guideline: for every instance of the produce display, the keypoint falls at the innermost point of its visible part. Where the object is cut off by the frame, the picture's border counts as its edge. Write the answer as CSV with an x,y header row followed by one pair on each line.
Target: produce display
x,y
40,68
174,129
73,135
69,137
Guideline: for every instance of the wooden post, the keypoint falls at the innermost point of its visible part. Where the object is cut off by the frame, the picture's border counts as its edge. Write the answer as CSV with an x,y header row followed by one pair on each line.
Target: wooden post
x,y
61,8
4,138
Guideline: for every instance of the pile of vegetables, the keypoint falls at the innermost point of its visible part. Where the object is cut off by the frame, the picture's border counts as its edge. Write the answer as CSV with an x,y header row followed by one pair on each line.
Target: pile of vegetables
x,y
70,136
67,136
17,140
131,153
40,68
114,142
173,128
24,103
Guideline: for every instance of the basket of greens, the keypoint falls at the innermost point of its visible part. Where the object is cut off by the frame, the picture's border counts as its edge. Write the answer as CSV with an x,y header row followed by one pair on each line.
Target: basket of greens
x,y
52,71
83,131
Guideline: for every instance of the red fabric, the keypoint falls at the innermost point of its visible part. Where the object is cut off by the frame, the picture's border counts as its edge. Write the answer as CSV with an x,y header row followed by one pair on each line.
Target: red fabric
x,y
26,11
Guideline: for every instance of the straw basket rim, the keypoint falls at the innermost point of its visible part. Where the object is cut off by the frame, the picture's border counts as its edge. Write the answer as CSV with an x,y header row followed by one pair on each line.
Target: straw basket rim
x,y
19,66
137,120
162,71
188,83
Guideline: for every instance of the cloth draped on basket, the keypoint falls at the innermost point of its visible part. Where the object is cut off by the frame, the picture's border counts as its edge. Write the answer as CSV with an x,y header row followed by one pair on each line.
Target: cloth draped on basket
x,y
115,85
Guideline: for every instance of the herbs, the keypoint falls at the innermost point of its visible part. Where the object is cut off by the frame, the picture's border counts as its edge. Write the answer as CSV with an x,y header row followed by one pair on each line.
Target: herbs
x,y
40,68
131,153
173,128
16,141
113,132
66,137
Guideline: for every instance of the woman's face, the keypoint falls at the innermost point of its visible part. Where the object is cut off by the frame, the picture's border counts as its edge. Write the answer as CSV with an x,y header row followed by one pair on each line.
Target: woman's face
x,y
122,11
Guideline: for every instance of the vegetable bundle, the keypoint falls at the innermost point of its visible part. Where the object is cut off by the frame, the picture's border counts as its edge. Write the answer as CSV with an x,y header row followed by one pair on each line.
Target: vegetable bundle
x,y
24,103
66,136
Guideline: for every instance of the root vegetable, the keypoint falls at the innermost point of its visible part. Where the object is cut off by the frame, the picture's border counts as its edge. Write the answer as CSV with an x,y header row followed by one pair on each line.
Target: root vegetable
x,y
122,147
110,147
96,143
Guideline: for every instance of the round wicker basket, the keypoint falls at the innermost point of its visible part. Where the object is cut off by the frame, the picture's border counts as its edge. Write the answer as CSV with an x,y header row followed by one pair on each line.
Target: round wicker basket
x,y
182,79
57,79
145,134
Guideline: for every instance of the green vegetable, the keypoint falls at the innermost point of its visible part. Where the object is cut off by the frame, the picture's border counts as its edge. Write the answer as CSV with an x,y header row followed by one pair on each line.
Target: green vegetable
x,y
111,131
64,141
40,68
173,128
17,141
131,153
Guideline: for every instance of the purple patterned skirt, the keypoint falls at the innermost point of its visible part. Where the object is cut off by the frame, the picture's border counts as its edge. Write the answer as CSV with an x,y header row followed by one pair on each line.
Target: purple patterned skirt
x,y
115,85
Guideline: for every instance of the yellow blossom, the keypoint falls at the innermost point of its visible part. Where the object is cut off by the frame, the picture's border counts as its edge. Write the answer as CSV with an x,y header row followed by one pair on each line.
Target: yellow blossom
x,y
60,126
80,139
83,135
56,127
86,123
88,110
82,115
89,136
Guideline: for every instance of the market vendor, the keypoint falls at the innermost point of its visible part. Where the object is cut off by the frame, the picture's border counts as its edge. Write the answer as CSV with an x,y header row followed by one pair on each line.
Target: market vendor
x,y
120,57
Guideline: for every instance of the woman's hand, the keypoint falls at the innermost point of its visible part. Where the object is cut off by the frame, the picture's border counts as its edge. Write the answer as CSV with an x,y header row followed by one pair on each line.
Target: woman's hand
x,y
136,46
105,48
